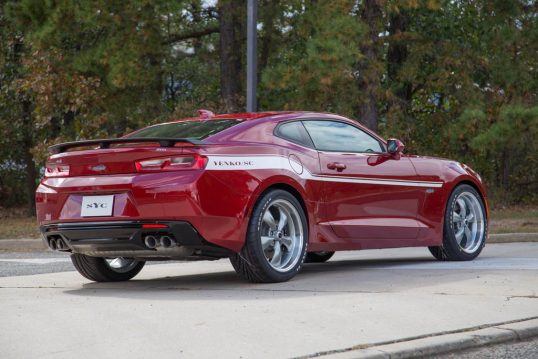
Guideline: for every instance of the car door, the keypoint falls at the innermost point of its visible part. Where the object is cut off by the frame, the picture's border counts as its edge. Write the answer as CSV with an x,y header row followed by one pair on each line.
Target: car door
x,y
369,194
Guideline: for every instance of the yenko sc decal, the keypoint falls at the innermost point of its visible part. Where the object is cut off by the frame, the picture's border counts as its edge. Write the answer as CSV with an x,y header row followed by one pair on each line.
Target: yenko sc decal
x,y
264,162
220,163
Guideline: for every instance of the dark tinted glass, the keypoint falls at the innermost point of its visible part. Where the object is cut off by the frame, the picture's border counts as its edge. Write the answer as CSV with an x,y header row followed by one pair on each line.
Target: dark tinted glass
x,y
195,129
340,137
294,132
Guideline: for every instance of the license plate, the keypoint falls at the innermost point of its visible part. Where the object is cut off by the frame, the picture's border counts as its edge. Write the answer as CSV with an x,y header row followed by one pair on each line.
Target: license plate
x,y
97,206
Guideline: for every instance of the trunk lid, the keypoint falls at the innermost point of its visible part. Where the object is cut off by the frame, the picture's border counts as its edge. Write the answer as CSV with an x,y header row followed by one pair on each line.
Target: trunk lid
x,y
108,157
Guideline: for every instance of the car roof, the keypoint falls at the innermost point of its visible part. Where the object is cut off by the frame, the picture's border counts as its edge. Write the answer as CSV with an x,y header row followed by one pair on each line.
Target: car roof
x,y
206,115
269,116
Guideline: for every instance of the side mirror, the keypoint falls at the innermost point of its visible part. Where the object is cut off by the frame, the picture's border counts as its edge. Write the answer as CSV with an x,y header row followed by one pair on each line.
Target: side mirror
x,y
395,146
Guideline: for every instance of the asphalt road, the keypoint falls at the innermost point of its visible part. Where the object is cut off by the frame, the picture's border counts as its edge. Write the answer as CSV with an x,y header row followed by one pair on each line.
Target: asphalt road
x,y
15,264
203,310
20,264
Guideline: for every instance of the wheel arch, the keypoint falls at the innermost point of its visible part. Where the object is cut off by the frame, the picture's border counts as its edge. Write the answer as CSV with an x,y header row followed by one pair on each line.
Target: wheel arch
x,y
286,184
463,181
479,189
288,188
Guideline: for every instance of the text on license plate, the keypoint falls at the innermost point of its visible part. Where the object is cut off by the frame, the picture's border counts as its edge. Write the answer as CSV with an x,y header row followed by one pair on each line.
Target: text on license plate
x,y
97,206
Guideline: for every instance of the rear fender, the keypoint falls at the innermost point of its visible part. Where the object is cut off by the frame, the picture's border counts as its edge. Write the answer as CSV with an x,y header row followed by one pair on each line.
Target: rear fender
x,y
294,187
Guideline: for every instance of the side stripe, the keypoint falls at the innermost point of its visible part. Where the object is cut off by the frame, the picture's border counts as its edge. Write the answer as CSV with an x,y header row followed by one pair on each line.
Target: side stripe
x,y
262,162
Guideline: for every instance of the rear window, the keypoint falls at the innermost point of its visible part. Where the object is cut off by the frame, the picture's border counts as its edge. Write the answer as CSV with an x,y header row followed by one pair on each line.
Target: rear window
x,y
195,129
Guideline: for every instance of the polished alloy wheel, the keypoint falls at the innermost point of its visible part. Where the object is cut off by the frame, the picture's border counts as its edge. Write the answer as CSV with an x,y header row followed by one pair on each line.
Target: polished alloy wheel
x,y
282,235
121,264
468,222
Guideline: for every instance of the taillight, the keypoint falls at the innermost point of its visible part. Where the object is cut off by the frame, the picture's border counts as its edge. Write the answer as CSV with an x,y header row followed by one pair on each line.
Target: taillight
x,y
53,170
176,163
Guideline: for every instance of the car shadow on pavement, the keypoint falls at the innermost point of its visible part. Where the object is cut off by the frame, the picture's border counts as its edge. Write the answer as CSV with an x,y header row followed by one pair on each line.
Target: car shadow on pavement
x,y
331,278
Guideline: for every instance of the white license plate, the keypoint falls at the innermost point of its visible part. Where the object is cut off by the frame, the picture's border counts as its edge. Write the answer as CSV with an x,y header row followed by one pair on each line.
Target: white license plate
x,y
97,206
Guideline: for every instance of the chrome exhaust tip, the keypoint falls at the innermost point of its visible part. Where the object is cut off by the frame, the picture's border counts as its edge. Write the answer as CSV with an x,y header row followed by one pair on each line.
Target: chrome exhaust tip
x,y
167,242
151,242
53,244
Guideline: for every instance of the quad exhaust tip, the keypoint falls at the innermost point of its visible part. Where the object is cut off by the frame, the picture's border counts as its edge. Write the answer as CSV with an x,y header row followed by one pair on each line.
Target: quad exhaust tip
x,y
60,245
167,242
57,244
151,242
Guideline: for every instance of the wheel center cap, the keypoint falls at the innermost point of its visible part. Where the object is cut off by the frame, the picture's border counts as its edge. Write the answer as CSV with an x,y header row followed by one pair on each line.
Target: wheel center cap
x,y
279,235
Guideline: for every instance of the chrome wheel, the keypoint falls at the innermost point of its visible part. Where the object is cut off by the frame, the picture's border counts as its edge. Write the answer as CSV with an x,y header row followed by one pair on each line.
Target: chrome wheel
x,y
281,235
121,264
468,222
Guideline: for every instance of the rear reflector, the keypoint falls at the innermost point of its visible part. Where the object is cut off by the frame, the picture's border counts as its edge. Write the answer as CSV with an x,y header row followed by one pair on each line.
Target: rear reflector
x,y
154,225
56,170
176,163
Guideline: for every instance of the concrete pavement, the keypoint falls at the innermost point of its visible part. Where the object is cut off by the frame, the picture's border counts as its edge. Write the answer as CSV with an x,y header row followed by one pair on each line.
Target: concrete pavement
x,y
203,310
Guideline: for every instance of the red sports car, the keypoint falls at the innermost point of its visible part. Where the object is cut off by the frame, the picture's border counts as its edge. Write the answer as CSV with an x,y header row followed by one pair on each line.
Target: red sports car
x,y
268,190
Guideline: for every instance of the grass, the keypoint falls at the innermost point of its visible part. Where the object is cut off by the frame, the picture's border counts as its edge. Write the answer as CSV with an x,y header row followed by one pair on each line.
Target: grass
x,y
15,225
514,220
19,227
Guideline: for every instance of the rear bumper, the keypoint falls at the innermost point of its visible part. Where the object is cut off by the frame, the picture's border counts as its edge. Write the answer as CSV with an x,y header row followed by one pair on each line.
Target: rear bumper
x,y
201,198
126,238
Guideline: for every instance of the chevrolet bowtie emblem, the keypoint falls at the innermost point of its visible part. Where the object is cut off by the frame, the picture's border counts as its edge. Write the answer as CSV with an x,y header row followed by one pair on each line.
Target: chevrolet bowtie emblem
x,y
98,168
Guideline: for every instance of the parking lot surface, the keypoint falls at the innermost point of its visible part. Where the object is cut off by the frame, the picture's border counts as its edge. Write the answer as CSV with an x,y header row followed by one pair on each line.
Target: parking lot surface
x,y
202,309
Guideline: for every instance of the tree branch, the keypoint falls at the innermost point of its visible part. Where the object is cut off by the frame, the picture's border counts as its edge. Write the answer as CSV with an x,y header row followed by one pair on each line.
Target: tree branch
x,y
191,35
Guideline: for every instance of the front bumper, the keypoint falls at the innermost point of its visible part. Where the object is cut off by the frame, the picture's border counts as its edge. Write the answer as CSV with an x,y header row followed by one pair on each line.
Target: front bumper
x,y
126,239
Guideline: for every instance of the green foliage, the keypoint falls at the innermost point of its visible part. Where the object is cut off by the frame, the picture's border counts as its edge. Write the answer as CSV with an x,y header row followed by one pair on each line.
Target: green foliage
x,y
313,70
512,138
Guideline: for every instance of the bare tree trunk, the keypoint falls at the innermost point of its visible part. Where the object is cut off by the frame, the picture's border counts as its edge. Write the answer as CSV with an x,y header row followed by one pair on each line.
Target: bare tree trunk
x,y
27,140
396,56
232,38
196,19
368,68
31,173
505,175
269,11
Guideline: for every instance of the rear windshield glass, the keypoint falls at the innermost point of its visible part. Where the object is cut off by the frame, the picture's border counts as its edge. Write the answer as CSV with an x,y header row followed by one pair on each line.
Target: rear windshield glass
x,y
195,129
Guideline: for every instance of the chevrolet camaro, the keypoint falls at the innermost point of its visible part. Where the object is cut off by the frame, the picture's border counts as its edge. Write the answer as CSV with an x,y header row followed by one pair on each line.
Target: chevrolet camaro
x,y
270,191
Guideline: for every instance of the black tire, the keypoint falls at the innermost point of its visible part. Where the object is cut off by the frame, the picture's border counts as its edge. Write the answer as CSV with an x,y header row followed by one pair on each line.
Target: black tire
x,y
98,270
450,250
251,262
318,257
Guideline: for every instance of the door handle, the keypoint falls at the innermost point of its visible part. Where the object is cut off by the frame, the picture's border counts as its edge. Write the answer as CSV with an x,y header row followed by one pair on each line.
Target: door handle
x,y
336,166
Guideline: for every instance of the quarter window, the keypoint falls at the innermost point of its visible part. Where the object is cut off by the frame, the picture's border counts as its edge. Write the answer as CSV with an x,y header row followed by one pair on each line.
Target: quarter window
x,y
294,132
340,137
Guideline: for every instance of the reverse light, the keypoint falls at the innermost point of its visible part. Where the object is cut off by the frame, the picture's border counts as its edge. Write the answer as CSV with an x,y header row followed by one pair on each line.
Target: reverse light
x,y
176,163
52,170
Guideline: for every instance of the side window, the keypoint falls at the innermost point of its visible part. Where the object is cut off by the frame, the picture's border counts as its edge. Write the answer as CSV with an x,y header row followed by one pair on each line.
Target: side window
x,y
340,137
294,132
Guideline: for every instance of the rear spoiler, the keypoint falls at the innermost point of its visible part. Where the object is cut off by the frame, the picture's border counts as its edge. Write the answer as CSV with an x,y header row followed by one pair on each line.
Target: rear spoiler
x,y
163,142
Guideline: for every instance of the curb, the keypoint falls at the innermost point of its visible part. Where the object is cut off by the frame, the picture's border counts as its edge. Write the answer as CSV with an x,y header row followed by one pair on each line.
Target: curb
x,y
441,343
512,237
